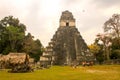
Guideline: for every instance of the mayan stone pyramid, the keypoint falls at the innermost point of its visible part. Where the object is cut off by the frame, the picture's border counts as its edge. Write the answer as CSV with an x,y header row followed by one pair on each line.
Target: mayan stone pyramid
x,y
67,44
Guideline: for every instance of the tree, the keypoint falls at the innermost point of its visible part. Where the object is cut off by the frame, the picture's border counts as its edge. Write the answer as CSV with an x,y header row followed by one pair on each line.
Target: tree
x,y
12,32
97,51
28,43
14,35
116,43
13,38
112,26
11,21
115,48
94,48
32,47
1,37
36,50
106,40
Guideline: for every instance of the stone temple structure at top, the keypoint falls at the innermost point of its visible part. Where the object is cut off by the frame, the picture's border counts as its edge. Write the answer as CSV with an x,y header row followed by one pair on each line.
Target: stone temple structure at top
x,y
67,19
67,44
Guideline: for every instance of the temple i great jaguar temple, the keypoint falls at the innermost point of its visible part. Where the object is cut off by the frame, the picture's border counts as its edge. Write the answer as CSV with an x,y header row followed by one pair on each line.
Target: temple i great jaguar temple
x,y
67,45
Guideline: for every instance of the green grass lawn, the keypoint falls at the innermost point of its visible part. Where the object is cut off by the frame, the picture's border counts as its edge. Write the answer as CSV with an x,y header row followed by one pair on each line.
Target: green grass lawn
x,y
97,72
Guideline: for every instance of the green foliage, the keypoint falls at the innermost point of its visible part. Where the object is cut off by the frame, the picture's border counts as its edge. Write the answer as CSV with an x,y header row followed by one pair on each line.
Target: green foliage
x,y
94,48
12,32
116,43
28,43
11,21
97,50
32,47
100,57
115,54
6,50
14,36
37,50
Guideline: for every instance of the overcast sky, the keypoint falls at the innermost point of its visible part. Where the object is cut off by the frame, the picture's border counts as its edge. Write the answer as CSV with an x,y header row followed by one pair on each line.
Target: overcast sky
x,y
41,17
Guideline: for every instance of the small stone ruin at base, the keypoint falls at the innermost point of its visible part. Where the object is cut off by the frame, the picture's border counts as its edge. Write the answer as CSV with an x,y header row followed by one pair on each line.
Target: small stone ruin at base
x,y
16,62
